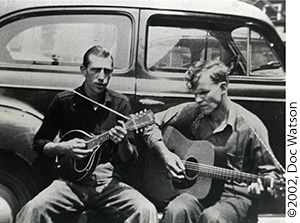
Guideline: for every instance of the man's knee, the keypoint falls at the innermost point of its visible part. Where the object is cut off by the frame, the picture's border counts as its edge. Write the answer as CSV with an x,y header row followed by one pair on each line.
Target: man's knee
x,y
184,203
32,212
213,216
146,208
210,217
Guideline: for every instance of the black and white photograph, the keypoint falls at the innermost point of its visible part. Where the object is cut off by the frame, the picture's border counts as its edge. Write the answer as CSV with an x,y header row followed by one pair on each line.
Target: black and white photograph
x,y
148,111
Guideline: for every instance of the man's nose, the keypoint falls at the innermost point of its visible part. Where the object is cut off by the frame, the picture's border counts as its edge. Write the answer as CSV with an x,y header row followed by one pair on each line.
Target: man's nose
x,y
198,98
101,74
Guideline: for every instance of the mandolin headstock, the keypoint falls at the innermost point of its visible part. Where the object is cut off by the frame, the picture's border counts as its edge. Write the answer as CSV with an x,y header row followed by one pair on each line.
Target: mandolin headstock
x,y
140,120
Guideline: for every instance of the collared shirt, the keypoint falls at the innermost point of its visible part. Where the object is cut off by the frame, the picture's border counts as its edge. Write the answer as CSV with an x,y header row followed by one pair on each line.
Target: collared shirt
x,y
243,136
69,111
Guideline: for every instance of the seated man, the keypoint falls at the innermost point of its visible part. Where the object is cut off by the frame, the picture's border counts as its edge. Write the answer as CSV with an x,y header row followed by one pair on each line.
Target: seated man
x,y
225,124
103,189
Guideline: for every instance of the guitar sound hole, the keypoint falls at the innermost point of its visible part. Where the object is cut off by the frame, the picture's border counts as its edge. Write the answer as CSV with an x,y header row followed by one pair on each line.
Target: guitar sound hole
x,y
191,174
191,168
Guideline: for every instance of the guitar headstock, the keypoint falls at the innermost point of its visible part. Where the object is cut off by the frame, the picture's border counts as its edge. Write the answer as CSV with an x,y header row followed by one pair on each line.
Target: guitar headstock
x,y
140,120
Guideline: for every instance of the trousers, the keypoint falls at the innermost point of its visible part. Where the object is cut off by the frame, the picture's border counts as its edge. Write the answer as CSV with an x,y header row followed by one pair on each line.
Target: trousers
x,y
229,209
64,202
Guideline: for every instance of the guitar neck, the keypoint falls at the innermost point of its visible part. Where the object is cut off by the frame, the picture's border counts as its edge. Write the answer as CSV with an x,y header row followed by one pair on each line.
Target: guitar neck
x,y
227,174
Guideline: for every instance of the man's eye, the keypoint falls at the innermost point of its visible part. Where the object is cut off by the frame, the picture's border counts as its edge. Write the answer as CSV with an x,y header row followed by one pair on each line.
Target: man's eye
x,y
203,92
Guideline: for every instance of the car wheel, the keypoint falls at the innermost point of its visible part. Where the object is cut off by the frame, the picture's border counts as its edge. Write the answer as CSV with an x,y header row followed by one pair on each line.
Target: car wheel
x,y
13,195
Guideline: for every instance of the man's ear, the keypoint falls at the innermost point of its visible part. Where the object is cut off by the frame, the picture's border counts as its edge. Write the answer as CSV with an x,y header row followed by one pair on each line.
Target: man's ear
x,y
83,70
224,87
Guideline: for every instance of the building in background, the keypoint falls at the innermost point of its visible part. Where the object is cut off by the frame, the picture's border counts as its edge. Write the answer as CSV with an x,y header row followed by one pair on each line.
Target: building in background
x,y
275,9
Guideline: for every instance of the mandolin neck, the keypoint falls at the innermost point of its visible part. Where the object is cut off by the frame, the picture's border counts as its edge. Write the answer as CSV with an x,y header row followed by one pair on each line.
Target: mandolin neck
x,y
98,140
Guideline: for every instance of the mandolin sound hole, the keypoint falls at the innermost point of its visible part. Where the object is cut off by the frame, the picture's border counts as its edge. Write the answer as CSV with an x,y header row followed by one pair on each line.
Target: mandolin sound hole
x,y
191,166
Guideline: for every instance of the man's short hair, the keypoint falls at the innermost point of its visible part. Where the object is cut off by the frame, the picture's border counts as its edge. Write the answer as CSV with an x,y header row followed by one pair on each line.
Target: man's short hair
x,y
219,72
97,51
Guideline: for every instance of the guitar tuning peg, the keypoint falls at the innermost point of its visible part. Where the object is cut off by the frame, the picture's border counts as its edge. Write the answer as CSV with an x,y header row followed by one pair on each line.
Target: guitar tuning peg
x,y
141,112
145,110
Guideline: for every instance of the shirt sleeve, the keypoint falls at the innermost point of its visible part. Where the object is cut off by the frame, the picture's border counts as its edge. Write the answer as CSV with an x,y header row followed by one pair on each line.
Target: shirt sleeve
x,y
258,157
49,128
266,162
177,116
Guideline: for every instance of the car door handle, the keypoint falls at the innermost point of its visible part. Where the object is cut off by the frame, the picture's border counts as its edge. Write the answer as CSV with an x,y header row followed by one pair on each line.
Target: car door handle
x,y
151,102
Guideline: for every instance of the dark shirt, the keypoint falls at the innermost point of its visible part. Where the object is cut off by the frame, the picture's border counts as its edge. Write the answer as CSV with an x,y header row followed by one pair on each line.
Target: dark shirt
x,y
243,136
69,111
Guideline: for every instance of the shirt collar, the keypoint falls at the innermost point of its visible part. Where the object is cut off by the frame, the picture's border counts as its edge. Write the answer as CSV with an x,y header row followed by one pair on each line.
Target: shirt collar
x,y
231,119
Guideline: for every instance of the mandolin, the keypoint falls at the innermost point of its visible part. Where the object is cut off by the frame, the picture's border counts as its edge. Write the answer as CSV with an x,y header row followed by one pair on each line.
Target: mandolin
x,y
75,170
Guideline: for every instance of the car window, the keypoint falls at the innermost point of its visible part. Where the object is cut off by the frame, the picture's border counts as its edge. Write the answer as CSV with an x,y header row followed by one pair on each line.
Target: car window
x,y
258,52
176,48
173,44
61,40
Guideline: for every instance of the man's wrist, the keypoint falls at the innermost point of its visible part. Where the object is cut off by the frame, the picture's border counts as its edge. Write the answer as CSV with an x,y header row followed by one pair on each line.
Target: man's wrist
x,y
53,149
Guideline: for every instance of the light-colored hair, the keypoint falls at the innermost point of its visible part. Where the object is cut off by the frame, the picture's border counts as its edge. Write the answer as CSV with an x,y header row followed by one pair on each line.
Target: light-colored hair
x,y
218,72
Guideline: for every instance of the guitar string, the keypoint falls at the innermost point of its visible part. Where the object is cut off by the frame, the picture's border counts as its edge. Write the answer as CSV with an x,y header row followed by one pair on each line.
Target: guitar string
x,y
230,174
221,172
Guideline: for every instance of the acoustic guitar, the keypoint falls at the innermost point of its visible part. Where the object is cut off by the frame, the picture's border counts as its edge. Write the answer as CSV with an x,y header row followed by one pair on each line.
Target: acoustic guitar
x,y
205,170
75,170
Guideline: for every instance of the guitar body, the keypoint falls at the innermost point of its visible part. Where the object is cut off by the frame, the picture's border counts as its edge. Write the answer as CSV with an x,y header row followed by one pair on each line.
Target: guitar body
x,y
75,170
161,188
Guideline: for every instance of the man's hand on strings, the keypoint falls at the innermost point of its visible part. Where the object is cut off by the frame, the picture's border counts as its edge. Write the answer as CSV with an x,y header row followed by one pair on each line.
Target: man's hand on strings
x,y
174,166
257,188
75,148
118,133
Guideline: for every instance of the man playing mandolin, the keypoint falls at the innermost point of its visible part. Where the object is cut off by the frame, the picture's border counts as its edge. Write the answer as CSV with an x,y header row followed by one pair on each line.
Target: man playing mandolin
x,y
99,187
213,117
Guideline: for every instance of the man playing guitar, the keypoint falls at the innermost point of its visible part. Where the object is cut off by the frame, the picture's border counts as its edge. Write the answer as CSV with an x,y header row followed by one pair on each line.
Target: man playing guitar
x,y
239,133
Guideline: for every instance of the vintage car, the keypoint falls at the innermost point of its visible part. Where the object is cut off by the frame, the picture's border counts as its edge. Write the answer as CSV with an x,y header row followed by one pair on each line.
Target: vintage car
x,y
153,44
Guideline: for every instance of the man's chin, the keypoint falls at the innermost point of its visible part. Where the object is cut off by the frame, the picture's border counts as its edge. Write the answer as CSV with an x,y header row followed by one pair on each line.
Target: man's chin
x,y
99,88
206,111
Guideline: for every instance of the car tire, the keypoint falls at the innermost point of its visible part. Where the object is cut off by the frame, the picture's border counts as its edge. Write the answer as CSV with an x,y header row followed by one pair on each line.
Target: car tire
x,y
14,193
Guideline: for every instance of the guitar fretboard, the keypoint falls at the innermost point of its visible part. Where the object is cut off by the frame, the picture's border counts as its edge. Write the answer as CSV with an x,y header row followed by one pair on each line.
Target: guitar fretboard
x,y
225,174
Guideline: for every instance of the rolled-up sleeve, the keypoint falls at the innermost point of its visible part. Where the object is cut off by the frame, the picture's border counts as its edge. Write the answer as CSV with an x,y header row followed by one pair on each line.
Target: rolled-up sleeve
x,y
176,116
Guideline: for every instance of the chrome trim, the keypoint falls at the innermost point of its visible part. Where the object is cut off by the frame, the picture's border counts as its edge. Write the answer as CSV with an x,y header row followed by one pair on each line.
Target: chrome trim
x,y
240,98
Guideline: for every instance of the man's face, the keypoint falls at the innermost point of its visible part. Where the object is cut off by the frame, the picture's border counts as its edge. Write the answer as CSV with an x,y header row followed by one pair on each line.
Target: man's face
x,y
208,95
98,73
